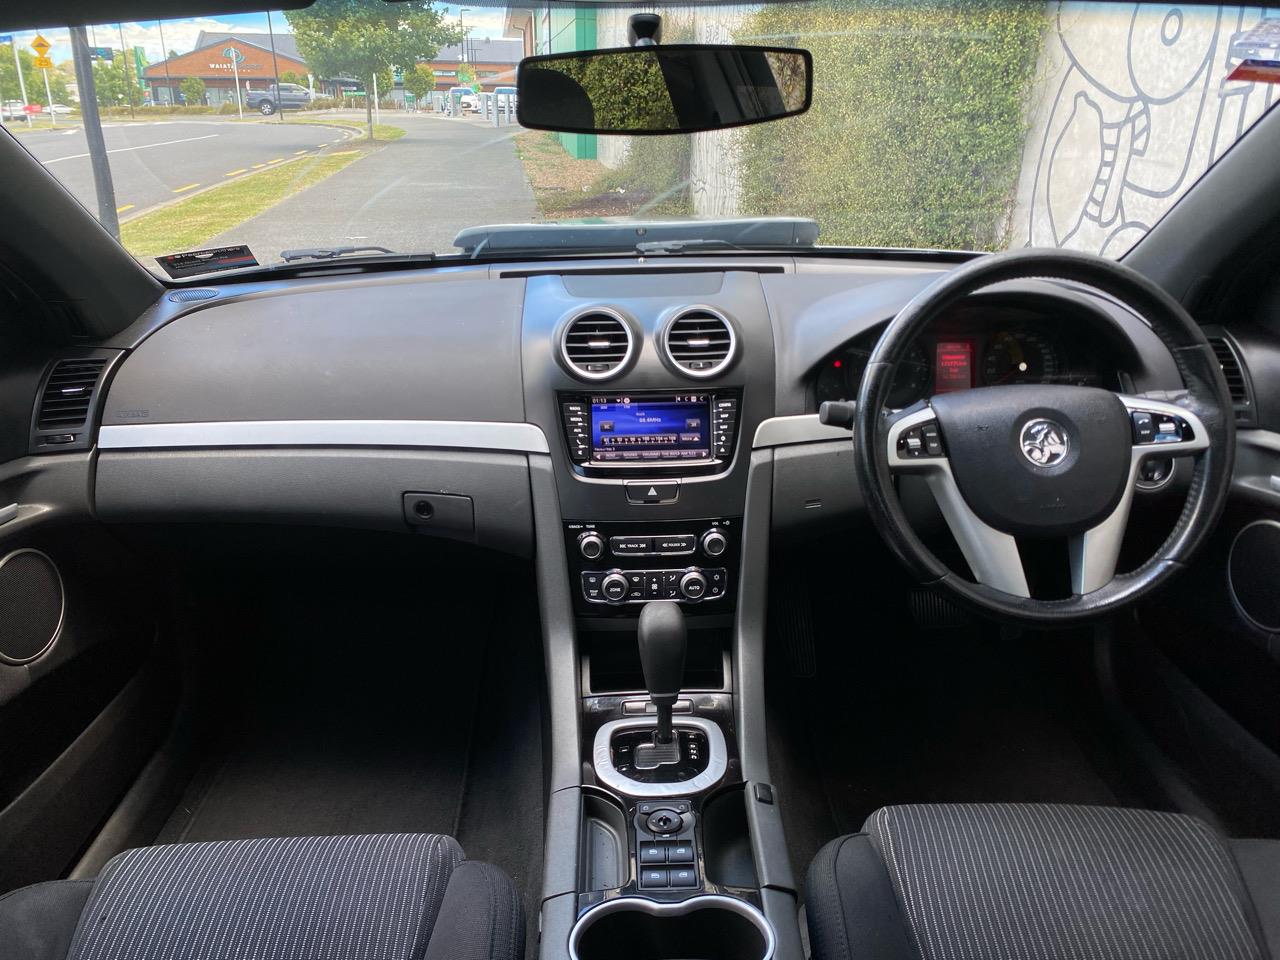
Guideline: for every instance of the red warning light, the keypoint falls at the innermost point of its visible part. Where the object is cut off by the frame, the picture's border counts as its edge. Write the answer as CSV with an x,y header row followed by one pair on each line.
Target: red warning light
x,y
838,364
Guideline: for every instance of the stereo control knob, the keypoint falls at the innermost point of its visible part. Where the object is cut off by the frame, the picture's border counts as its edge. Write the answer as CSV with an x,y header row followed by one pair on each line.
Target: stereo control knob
x,y
693,585
614,587
714,543
591,545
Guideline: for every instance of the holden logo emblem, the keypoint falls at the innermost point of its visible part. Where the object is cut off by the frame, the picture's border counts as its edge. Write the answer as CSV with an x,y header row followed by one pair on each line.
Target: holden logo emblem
x,y
1044,442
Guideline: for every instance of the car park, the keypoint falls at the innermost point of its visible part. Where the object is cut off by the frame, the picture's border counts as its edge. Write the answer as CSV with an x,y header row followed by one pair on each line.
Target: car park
x,y
813,495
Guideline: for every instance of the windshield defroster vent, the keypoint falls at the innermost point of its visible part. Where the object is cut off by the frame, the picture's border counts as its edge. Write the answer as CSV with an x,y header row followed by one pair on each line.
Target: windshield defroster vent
x,y
700,342
597,345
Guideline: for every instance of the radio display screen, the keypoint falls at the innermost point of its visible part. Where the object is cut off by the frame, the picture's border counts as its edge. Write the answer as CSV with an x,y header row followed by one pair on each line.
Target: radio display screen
x,y
646,428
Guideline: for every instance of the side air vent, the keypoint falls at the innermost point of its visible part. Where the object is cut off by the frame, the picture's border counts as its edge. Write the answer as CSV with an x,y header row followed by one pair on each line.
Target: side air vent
x,y
700,342
64,404
1233,371
597,345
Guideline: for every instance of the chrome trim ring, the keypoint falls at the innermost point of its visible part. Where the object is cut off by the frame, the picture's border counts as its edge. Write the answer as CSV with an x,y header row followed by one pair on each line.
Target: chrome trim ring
x,y
578,372
62,608
678,909
678,367
717,759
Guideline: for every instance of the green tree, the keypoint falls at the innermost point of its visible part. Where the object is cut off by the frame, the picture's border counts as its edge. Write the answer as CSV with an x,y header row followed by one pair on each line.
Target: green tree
x,y
420,81
193,91
113,81
290,77
467,76
33,78
361,38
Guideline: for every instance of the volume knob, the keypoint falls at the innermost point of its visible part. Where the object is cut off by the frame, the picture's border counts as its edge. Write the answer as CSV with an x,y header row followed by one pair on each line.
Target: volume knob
x,y
714,543
591,545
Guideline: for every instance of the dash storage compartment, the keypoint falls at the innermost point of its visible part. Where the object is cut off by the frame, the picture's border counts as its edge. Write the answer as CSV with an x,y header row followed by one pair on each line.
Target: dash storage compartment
x,y
705,928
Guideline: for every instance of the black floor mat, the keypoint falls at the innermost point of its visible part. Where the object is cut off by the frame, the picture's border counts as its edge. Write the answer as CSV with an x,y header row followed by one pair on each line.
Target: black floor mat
x,y
901,715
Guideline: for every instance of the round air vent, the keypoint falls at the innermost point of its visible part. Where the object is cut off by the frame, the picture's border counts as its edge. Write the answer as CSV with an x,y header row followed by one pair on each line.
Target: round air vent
x,y
700,342
596,345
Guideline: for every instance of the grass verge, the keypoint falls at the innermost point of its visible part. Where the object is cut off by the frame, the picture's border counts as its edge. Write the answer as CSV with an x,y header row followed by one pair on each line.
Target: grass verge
x,y
189,223
383,132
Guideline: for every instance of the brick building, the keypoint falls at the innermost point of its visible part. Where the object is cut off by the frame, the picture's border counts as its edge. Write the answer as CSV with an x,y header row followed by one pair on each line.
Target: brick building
x,y
208,62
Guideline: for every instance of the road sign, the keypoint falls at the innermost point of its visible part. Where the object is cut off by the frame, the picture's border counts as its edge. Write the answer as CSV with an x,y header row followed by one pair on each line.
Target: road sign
x,y
40,45
102,53
43,63
6,38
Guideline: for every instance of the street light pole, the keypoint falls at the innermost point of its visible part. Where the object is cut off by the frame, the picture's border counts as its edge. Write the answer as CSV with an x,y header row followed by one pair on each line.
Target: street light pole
x,y
22,84
275,66
164,52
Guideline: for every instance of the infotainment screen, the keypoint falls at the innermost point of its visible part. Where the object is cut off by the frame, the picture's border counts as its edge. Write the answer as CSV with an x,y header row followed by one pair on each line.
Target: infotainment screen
x,y
651,427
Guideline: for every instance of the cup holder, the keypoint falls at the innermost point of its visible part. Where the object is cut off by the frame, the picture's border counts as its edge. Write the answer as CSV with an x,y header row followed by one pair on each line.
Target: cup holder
x,y
700,928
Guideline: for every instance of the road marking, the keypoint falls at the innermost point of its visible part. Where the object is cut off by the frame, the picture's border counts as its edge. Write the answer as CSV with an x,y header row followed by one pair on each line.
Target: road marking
x,y
127,206
321,146
298,153
342,153
236,172
258,166
276,160
189,186
145,146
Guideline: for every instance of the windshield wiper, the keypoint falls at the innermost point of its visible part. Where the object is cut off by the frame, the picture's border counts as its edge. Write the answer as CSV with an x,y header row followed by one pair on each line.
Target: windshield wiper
x,y
330,253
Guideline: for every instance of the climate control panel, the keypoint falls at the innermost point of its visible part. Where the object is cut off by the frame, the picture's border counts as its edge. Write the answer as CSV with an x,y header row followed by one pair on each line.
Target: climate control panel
x,y
617,566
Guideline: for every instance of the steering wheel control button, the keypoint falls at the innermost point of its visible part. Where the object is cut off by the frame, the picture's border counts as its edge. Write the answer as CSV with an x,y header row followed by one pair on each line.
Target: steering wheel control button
x,y
652,491
932,440
920,442
630,546
1144,427
693,585
614,587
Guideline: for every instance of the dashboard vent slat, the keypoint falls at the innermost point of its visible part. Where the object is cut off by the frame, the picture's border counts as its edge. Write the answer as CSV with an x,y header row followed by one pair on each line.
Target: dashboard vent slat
x,y
67,394
1232,370
700,343
597,345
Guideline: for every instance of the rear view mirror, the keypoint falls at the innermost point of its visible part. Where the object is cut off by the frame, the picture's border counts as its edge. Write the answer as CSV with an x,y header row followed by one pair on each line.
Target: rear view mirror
x,y
682,88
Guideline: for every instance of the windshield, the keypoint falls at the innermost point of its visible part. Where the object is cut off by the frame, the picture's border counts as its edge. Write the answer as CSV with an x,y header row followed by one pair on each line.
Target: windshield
x,y
391,127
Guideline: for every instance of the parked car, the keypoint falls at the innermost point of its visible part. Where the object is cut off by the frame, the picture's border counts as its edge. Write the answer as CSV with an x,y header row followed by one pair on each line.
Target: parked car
x,y
289,96
12,110
59,109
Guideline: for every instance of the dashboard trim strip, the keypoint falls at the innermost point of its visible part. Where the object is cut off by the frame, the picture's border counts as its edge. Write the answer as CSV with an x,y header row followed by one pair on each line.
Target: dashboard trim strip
x,y
450,434
807,428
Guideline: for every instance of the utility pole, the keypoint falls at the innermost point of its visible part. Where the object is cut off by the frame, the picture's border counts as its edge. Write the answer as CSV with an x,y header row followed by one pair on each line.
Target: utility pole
x,y
275,67
48,95
168,80
22,84
123,75
102,184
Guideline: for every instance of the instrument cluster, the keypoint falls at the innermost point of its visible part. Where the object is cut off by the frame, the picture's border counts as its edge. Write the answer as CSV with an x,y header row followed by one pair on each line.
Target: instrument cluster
x,y
974,350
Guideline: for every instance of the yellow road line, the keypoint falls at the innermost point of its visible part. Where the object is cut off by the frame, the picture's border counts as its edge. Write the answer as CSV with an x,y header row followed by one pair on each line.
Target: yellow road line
x,y
127,206
342,153
276,160
298,153
321,146
258,166
236,172
189,186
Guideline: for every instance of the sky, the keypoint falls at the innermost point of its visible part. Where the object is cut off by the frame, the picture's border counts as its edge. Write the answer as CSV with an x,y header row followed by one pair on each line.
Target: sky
x,y
180,35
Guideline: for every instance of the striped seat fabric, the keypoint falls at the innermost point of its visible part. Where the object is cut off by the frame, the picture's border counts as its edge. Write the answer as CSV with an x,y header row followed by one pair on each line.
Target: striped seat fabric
x,y
1031,882
301,898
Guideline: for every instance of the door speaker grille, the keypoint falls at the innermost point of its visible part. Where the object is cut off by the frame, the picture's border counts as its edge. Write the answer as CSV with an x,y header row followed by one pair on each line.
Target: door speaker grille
x,y
31,605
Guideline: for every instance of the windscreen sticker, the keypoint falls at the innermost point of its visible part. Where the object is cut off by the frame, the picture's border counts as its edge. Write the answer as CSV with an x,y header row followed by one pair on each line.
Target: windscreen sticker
x,y
1258,50
179,265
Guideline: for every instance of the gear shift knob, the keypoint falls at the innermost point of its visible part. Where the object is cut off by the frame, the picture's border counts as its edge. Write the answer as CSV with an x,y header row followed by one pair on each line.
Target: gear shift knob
x,y
662,638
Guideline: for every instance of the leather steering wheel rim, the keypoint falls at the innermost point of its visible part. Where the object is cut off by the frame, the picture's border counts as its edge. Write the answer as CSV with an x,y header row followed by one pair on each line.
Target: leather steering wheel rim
x,y
1207,399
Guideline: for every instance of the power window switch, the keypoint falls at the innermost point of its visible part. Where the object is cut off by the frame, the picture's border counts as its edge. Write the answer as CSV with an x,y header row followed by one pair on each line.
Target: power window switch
x,y
682,877
679,852
652,853
653,878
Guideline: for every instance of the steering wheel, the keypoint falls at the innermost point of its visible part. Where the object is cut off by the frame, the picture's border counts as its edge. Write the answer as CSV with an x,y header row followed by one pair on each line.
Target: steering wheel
x,y
1043,461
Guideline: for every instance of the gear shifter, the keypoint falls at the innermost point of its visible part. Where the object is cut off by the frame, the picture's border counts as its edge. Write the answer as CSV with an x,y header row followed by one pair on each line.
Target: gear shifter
x,y
661,636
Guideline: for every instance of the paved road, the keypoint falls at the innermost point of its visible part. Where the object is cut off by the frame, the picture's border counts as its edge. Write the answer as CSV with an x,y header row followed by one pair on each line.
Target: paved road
x,y
413,195
152,163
